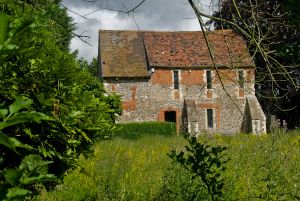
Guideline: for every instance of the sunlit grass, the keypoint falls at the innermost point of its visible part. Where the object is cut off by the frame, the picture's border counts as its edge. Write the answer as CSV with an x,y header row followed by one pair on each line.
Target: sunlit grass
x,y
121,169
260,168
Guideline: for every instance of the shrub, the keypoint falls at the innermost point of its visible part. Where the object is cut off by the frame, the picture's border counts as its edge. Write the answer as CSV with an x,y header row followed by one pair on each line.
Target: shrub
x,y
205,162
51,107
137,130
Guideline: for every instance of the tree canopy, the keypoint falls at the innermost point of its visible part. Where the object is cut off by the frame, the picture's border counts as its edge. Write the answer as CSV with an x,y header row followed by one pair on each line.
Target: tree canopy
x,y
51,107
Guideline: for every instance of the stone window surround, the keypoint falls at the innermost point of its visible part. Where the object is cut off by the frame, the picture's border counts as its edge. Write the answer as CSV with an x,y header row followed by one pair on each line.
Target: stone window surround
x,y
179,78
209,92
208,84
213,118
241,90
241,79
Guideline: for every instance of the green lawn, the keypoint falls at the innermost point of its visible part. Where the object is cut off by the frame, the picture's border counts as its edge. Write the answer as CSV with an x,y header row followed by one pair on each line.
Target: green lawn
x,y
260,168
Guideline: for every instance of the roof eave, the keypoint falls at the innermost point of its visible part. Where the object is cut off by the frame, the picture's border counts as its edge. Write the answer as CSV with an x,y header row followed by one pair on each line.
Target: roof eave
x,y
236,66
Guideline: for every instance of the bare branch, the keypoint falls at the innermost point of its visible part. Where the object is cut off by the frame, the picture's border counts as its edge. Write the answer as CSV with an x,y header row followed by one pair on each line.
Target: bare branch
x,y
211,54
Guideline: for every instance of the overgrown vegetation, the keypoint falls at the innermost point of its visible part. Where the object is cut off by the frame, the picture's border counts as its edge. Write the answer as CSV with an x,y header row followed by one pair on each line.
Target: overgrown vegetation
x,y
206,162
51,107
122,169
260,168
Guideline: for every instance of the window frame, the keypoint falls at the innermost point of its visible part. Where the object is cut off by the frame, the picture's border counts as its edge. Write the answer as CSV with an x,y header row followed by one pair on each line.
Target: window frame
x,y
209,79
210,118
176,81
241,79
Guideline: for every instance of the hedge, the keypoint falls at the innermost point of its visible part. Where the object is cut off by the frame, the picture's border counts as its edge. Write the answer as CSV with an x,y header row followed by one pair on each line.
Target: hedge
x,y
136,130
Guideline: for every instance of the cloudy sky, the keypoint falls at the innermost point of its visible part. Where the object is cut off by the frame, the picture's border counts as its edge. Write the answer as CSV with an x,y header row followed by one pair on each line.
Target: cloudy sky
x,y
160,15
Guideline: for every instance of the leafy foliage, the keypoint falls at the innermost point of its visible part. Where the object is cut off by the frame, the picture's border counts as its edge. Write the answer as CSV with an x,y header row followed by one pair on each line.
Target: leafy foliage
x,y
32,170
15,183
12,116
206,162
51,106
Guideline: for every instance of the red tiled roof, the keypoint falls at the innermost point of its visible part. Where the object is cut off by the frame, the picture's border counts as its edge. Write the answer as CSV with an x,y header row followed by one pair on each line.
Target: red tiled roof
x,y
126,53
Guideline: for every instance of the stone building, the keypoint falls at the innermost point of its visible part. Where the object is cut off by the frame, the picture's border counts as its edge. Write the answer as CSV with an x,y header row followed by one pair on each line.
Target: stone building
x,y
169,76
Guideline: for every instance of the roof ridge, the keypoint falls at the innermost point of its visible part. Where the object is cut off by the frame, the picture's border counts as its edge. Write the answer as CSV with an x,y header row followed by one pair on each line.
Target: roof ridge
x,y
159,31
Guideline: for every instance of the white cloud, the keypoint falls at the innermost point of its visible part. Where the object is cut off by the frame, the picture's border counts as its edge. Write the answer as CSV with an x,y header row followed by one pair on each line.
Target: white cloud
x,y
166,15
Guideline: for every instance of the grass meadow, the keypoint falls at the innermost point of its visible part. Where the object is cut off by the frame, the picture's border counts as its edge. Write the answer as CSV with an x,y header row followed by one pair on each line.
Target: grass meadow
x,y
259,168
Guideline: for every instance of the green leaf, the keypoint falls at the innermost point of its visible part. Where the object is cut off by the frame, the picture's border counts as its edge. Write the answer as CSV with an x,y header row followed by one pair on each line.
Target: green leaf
x,y
12,142
5,140
23,117
77,114
12,176
10,47
17,193
40,178
84,135
4,23
23,26
19,104
3,113
32,162
72,141
42,100
35,170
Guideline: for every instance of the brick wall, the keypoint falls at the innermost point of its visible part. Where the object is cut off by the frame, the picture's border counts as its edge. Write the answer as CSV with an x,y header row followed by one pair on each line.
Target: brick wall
x,y
149,99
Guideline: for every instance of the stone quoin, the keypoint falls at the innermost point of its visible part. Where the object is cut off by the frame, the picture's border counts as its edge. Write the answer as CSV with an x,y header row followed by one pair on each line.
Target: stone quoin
x,y
170,76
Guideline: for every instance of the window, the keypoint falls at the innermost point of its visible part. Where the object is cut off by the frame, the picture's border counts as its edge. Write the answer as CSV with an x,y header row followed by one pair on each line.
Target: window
x,y
176,79
208,79
210,118
241,78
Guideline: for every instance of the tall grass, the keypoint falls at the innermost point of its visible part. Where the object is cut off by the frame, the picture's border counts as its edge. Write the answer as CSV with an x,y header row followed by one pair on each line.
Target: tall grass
x,y
260,168
120,170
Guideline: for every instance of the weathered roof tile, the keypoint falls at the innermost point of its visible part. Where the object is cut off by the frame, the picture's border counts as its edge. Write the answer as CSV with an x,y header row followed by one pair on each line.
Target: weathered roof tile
x,y
123,53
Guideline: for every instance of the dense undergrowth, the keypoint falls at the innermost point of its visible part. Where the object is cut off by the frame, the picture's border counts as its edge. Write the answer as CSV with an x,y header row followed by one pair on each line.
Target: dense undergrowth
x,y
259,168
52,108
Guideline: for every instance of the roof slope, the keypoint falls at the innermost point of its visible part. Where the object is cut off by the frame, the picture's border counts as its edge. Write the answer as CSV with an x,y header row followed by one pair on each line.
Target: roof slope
x,y
122,54
128,53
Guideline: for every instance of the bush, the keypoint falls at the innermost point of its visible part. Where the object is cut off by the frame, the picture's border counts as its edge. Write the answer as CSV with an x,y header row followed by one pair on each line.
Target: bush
x,y
51,107
205,162
138,130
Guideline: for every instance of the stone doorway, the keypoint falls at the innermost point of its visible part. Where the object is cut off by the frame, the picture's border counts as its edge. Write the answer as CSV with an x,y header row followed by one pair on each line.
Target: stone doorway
x,y
170,116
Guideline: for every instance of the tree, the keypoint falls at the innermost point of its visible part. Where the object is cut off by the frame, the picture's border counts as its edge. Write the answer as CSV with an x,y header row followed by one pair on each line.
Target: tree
x,y
276,24
272,36
41,78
